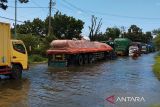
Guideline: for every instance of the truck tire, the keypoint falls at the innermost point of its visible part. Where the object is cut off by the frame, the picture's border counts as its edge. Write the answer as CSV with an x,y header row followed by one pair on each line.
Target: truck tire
x,y
91,59
16,72
80,60
85,59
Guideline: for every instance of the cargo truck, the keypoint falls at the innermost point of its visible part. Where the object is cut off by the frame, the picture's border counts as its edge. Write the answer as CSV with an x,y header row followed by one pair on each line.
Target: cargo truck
x,y
151,47
144,49
64,53
13,54
122,46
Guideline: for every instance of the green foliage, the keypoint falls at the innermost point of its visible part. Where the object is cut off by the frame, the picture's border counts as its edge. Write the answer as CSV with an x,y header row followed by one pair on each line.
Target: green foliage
x,y
65,27
112,33
156,66
37,58
31,42
46,43
36,27
155,105
99,37
35,33
136,35
157,41
3,5
156,31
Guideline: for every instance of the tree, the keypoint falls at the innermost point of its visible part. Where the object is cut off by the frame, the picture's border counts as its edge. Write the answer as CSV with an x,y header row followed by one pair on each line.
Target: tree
x,y
31,42
135,29
65,27
157,41
3,4
36,27
156,31
136,35
94,28
149,37
112,33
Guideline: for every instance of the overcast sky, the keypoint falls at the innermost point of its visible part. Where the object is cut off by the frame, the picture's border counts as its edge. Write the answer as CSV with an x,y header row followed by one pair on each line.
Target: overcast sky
x,y
144,13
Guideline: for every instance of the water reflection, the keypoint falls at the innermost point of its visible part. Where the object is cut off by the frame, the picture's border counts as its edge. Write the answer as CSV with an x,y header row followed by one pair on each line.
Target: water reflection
x,y
14,93
85,86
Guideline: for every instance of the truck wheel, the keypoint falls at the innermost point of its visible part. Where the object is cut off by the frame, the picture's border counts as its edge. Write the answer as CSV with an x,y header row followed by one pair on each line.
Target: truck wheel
x,y
85,59
16,72
80,60
91,59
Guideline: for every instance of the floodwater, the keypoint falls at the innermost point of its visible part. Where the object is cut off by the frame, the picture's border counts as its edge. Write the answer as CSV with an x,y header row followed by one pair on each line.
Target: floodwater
x,y
85,86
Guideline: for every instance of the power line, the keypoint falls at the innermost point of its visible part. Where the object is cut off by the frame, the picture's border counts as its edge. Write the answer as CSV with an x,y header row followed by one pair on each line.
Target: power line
x,y
38,5
11,19
108,14
27,7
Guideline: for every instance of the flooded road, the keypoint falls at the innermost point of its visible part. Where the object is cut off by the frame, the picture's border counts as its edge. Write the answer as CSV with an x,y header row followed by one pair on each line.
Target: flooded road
x,y
86,86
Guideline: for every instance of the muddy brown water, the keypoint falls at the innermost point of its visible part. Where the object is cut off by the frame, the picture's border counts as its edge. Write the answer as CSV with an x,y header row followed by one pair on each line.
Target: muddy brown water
x,y
85,86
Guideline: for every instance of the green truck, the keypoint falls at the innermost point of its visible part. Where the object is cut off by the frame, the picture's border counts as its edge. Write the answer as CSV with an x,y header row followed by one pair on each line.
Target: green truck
x,y
122,46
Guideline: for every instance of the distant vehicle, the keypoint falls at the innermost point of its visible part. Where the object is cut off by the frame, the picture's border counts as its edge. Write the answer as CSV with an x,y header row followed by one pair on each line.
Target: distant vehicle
x,y
13,54
112,44
144,49
139,44
77,52
122,46
151,47
134,50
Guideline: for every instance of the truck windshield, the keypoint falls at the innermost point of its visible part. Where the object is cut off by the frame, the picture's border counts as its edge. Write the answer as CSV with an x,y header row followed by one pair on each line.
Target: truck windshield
x,y
19,47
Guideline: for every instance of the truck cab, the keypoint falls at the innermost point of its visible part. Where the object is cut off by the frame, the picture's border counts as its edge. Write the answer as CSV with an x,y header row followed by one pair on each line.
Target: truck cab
x,y
13,54
133,49
122,46
144,49
19,54
18,60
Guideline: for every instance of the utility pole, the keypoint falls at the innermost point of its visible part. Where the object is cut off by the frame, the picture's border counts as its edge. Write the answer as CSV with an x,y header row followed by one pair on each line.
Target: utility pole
x,y
15,25
50,15
51,4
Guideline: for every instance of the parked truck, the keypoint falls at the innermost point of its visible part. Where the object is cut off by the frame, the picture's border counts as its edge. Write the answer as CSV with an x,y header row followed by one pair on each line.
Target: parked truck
x,y
13,54
112,44
122,46
134,51
77,52
145,49
151,47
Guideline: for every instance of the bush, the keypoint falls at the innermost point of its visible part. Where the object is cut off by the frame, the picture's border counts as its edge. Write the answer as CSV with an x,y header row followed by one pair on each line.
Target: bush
x,y
36,58
156,66
31,41
155,105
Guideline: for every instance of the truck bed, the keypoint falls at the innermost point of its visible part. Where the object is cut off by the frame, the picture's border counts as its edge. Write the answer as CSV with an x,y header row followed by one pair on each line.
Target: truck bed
x,y
77,46
5,49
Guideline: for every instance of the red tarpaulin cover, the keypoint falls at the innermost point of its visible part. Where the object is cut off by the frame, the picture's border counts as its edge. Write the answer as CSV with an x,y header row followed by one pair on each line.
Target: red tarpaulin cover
x,y
77,46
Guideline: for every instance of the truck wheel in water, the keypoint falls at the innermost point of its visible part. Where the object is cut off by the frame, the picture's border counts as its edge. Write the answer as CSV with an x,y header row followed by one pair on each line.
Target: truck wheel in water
x,y
80,60
16,72
85,59
91,59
